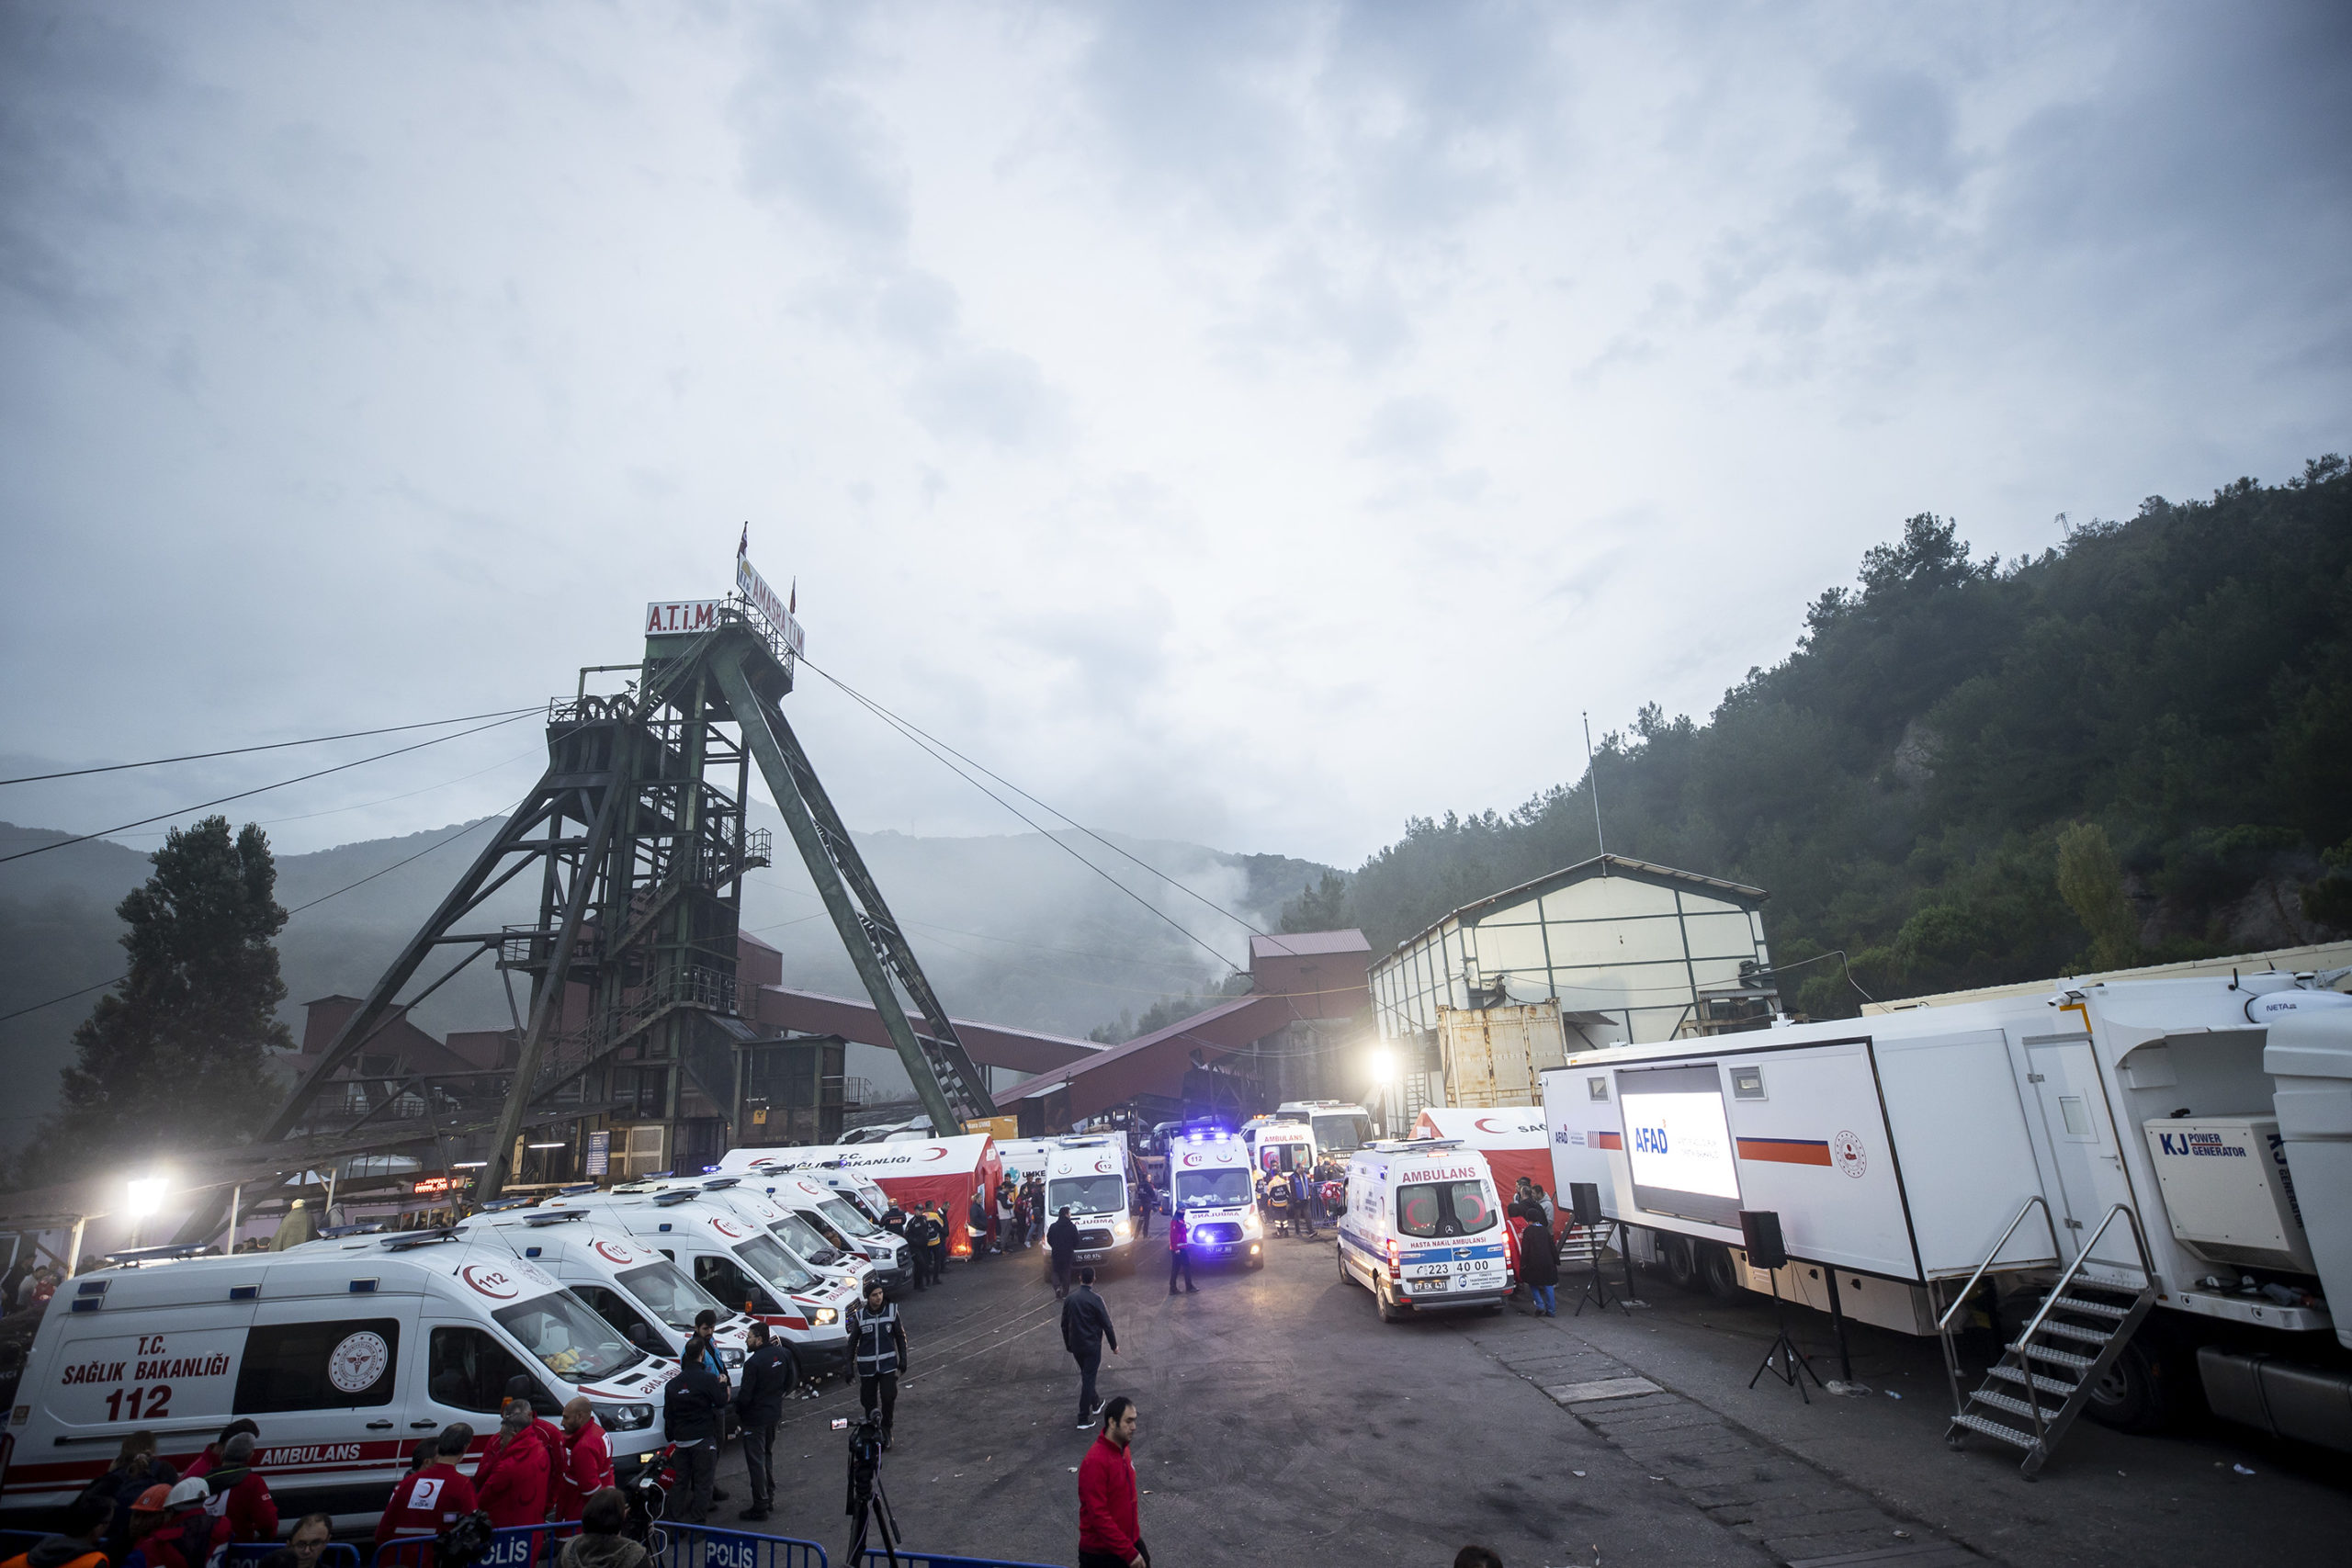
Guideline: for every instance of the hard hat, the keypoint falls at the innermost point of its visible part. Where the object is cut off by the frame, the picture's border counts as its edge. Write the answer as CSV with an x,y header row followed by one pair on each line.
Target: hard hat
x,y
193,1490
151,1500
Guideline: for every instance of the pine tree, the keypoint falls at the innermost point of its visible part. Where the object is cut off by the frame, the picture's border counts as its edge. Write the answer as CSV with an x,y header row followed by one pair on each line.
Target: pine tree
x,y
176,1055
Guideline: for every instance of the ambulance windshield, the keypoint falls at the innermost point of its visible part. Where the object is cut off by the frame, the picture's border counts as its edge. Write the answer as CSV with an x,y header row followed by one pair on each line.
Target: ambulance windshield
x,y
663,1290
1212,1189
847,1219
774,1264
1443,1208
1087,1194
568,1337
1342,1132
796,1233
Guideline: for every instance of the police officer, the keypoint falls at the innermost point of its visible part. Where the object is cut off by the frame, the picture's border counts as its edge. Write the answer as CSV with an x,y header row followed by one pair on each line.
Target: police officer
x,y
879,1341
918,1234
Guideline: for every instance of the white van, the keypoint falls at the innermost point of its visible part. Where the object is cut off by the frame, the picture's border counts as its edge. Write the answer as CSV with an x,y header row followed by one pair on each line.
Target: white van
x,y
1280,1147
1088,1176
1424,1228
818,1253
820,1166
634,1288
735,1258
1338,1128
344,1352
1209,1183
840,1224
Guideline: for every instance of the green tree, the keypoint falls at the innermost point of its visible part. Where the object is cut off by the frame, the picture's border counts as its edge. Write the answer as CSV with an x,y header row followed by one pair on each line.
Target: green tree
x,y
177,1054
1322,908
2091,881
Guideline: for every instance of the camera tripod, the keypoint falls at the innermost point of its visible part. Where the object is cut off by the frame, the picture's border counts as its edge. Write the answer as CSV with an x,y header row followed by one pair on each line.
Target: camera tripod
x,y
867,1500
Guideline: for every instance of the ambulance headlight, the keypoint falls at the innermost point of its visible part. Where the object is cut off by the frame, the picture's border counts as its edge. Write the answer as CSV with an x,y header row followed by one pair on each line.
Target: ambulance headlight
x,y
1252,1224
825,1317
730,1355
622,1417
1122,1228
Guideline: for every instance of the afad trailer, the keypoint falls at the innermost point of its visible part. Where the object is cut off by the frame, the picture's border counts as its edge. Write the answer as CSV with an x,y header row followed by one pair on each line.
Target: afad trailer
x,y
2141,1185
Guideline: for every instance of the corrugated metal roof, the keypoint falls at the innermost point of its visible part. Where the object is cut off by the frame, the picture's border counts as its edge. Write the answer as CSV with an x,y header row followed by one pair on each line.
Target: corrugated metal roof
x,y
1299,944
1585,871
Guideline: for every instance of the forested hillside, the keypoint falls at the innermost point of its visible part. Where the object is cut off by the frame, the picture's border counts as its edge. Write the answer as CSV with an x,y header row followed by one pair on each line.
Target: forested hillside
x,y
2134,746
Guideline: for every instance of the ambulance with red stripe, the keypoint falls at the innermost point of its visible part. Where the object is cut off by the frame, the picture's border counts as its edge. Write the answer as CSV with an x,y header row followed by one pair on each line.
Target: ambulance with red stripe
x,y
344,1352
650,1299
1424,1229
736,1259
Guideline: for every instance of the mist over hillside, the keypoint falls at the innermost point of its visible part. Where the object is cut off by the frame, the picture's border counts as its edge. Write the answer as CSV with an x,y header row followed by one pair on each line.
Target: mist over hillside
x,y
1012,928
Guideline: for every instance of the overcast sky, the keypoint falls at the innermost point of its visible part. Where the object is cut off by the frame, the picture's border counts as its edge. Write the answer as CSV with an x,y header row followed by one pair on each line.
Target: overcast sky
x,y
1251,424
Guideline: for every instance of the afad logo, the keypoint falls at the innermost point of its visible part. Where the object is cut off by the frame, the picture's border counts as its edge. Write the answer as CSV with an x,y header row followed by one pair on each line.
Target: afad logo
x,y
492,1283
613,1252
1650,1140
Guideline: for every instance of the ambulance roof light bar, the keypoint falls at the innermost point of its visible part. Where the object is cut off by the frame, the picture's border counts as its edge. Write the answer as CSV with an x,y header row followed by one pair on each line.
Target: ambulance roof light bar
x,y
1413,1146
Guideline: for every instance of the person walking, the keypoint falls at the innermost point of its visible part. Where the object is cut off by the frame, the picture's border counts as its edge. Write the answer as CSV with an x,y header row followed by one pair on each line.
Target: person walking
x,y
1302,1202
1539,1265
1086,1328
1179,1251
429,1500
760,1392
1061,1243
694,1413
1146,1200
878,1339
1110,1526
587,1462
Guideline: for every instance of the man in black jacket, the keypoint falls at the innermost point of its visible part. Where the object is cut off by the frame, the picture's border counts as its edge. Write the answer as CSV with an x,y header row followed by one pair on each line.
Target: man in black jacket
x,y
918,1234
761,1388
693,1409
1086,1328
1061,1240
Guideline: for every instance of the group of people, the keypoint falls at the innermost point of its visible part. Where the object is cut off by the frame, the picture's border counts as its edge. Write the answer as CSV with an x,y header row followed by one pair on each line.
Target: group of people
x,y
1292,1200
1532,1219
27,1287
925,1233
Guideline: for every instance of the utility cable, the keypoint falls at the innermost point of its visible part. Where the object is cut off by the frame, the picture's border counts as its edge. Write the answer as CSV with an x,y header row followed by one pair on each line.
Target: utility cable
x,y
263,789
313,903
271,745
912,730
914,735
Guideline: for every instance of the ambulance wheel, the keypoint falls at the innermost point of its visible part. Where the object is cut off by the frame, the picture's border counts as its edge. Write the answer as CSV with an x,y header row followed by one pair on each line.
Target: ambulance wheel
x,y
1681,1265
1341,1254
1389,1311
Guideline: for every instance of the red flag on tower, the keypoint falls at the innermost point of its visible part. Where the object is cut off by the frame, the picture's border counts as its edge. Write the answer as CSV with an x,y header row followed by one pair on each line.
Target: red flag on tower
x,y
745,547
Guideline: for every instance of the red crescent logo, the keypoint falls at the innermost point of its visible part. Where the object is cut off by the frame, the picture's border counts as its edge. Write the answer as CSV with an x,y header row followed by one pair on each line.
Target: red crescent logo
x,y
1481,1125
936,1154
723,1228
489,1282
1191,1159
623,1256
1102,1166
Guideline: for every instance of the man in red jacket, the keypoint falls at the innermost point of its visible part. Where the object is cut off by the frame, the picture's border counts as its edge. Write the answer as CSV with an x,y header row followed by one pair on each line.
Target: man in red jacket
x,y
512,1480
239,1494
587,1459
429,1501
1109,1535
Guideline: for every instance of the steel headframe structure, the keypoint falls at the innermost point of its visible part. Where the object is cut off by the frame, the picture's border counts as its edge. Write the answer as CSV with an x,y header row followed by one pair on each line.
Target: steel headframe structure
x,y
637,834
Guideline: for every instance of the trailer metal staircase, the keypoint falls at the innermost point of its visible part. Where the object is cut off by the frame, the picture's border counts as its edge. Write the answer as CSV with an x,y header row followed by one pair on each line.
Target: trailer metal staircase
x,y
2048,1373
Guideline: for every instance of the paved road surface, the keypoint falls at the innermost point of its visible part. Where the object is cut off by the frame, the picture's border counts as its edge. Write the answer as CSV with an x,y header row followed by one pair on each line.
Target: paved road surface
x,y
1283,1423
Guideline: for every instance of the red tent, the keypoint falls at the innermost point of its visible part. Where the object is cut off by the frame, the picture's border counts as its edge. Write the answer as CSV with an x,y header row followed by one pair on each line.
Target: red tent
x,y
1512,1137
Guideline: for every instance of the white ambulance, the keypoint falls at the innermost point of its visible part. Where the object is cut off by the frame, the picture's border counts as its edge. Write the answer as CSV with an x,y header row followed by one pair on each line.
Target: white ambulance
x,y
820,1166
632,1287
814,1252
841,1224
344,1352
1209,1183
735,1258
1424,1229
1278,1147
1088,1176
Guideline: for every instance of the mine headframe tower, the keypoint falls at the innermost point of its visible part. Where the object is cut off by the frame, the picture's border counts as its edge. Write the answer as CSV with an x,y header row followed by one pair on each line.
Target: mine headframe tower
x,y
638,837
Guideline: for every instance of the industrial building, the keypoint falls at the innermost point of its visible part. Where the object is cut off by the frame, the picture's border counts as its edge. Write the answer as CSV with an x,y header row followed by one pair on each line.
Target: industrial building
x,y
1627,951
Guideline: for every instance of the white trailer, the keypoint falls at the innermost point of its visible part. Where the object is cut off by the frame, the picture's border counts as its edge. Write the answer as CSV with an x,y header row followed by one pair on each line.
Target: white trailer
x,y
2157,1174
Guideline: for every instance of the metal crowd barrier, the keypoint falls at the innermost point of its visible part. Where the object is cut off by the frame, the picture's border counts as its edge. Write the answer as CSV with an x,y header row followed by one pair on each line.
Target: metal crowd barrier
x,y
517,1546
877,1558
707,1546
